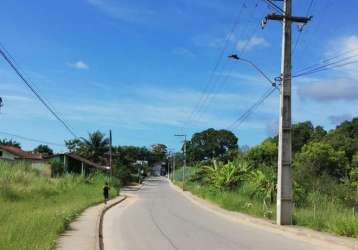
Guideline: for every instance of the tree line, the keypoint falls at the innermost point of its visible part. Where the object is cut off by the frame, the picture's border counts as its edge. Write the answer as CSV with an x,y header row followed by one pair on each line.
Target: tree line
x,y
325,163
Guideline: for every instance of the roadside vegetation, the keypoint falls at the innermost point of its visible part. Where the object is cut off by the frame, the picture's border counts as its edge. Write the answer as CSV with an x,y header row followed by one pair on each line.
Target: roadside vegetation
x,y
36,208
325,175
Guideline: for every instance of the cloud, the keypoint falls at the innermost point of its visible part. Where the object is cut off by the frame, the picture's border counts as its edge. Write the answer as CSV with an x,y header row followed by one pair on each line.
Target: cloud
x,y
218,42
329,90
338,119
251,43
126,14
346,47
183,52
341,83
79,65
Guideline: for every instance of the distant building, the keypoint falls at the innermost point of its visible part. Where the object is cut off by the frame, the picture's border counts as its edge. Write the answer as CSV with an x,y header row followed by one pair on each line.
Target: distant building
x,y
157,169
11,153
76,164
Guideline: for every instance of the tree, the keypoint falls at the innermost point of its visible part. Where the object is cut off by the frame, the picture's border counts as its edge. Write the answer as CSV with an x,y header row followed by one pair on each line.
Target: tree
x,y
10,142
354,164
159,151
128,155
345,138
263,154
318,158
318,134
73,145
210,144
301,134
44,150
125,158
95,147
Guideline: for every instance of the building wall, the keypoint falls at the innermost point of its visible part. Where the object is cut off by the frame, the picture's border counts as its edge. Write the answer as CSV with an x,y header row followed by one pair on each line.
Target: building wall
x,y
40,165
157,168
6,155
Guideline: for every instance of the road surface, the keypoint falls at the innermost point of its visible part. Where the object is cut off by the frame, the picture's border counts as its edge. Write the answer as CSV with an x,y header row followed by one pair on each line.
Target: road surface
x,y
159,218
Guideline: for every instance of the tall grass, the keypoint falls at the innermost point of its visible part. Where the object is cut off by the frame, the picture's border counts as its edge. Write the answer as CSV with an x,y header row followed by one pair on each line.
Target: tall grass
x,y
322,213
35,209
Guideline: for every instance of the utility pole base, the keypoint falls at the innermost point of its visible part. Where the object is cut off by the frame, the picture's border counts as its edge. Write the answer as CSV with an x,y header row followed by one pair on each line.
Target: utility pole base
x,y
284,212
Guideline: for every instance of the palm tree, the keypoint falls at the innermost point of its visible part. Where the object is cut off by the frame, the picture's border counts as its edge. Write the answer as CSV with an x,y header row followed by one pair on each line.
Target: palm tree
x,y
95,147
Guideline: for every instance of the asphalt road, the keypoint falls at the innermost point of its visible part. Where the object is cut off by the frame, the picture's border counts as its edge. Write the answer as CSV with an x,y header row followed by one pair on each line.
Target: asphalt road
x,y
158,217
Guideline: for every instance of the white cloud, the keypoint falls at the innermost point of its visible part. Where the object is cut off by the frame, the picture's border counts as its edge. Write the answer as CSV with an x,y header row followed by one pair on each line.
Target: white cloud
x,y
338,119
341,83
119,12
79,65
346,47
240,44
183,52
329,90
249,44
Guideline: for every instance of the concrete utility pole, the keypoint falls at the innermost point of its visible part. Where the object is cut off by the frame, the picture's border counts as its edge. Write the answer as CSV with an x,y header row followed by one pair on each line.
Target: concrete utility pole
x,y
110,152
169,165
173,174
284,181
183,178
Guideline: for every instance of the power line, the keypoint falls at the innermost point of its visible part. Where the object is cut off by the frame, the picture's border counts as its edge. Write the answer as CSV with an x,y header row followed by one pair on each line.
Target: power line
x,y
332,62
28,84
26,76
274,6
226,76
326,67
320,14
251,109
206,92
300,31
31,139
328,60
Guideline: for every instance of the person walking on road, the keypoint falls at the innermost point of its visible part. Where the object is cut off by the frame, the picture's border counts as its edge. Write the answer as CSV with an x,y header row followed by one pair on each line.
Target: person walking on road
x,y
106,192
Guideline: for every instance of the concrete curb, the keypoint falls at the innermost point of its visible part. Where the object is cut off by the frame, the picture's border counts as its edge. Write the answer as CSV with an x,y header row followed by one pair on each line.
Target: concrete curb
x,y
99,240
305,234
100,245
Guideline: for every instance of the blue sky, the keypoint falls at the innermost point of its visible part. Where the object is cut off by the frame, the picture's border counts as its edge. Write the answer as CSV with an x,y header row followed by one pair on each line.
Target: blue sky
x,y
141,67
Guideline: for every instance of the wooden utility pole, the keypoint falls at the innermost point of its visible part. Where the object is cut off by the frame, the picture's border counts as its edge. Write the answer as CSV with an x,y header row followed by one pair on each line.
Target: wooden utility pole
x,y
284,180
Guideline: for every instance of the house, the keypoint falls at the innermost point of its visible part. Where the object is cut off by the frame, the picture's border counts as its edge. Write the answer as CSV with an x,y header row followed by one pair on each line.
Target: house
x,y
157,169
74,163
11,153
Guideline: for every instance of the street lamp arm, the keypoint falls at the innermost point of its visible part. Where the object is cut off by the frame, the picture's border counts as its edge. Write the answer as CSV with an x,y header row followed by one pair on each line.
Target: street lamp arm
x,y
235,57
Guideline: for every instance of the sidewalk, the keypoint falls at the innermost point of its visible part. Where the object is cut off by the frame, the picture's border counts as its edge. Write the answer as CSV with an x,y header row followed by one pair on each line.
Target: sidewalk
x,y
83,233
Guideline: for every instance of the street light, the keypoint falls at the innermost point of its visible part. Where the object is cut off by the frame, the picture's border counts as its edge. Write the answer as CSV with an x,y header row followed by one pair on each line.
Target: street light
x,y
183,178
237,58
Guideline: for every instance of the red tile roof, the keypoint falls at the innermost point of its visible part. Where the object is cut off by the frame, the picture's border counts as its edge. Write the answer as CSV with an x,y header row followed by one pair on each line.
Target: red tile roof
x,y
21,154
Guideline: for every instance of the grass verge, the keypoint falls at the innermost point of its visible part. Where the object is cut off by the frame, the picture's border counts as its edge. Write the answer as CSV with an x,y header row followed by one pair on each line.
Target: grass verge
x,y
35,209
326,215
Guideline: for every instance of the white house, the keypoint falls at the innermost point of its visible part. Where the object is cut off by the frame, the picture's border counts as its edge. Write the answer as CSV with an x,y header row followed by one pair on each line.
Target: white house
x,y
11,153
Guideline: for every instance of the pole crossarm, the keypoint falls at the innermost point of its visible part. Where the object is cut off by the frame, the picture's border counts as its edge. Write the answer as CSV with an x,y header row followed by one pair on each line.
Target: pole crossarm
x,y
296,19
